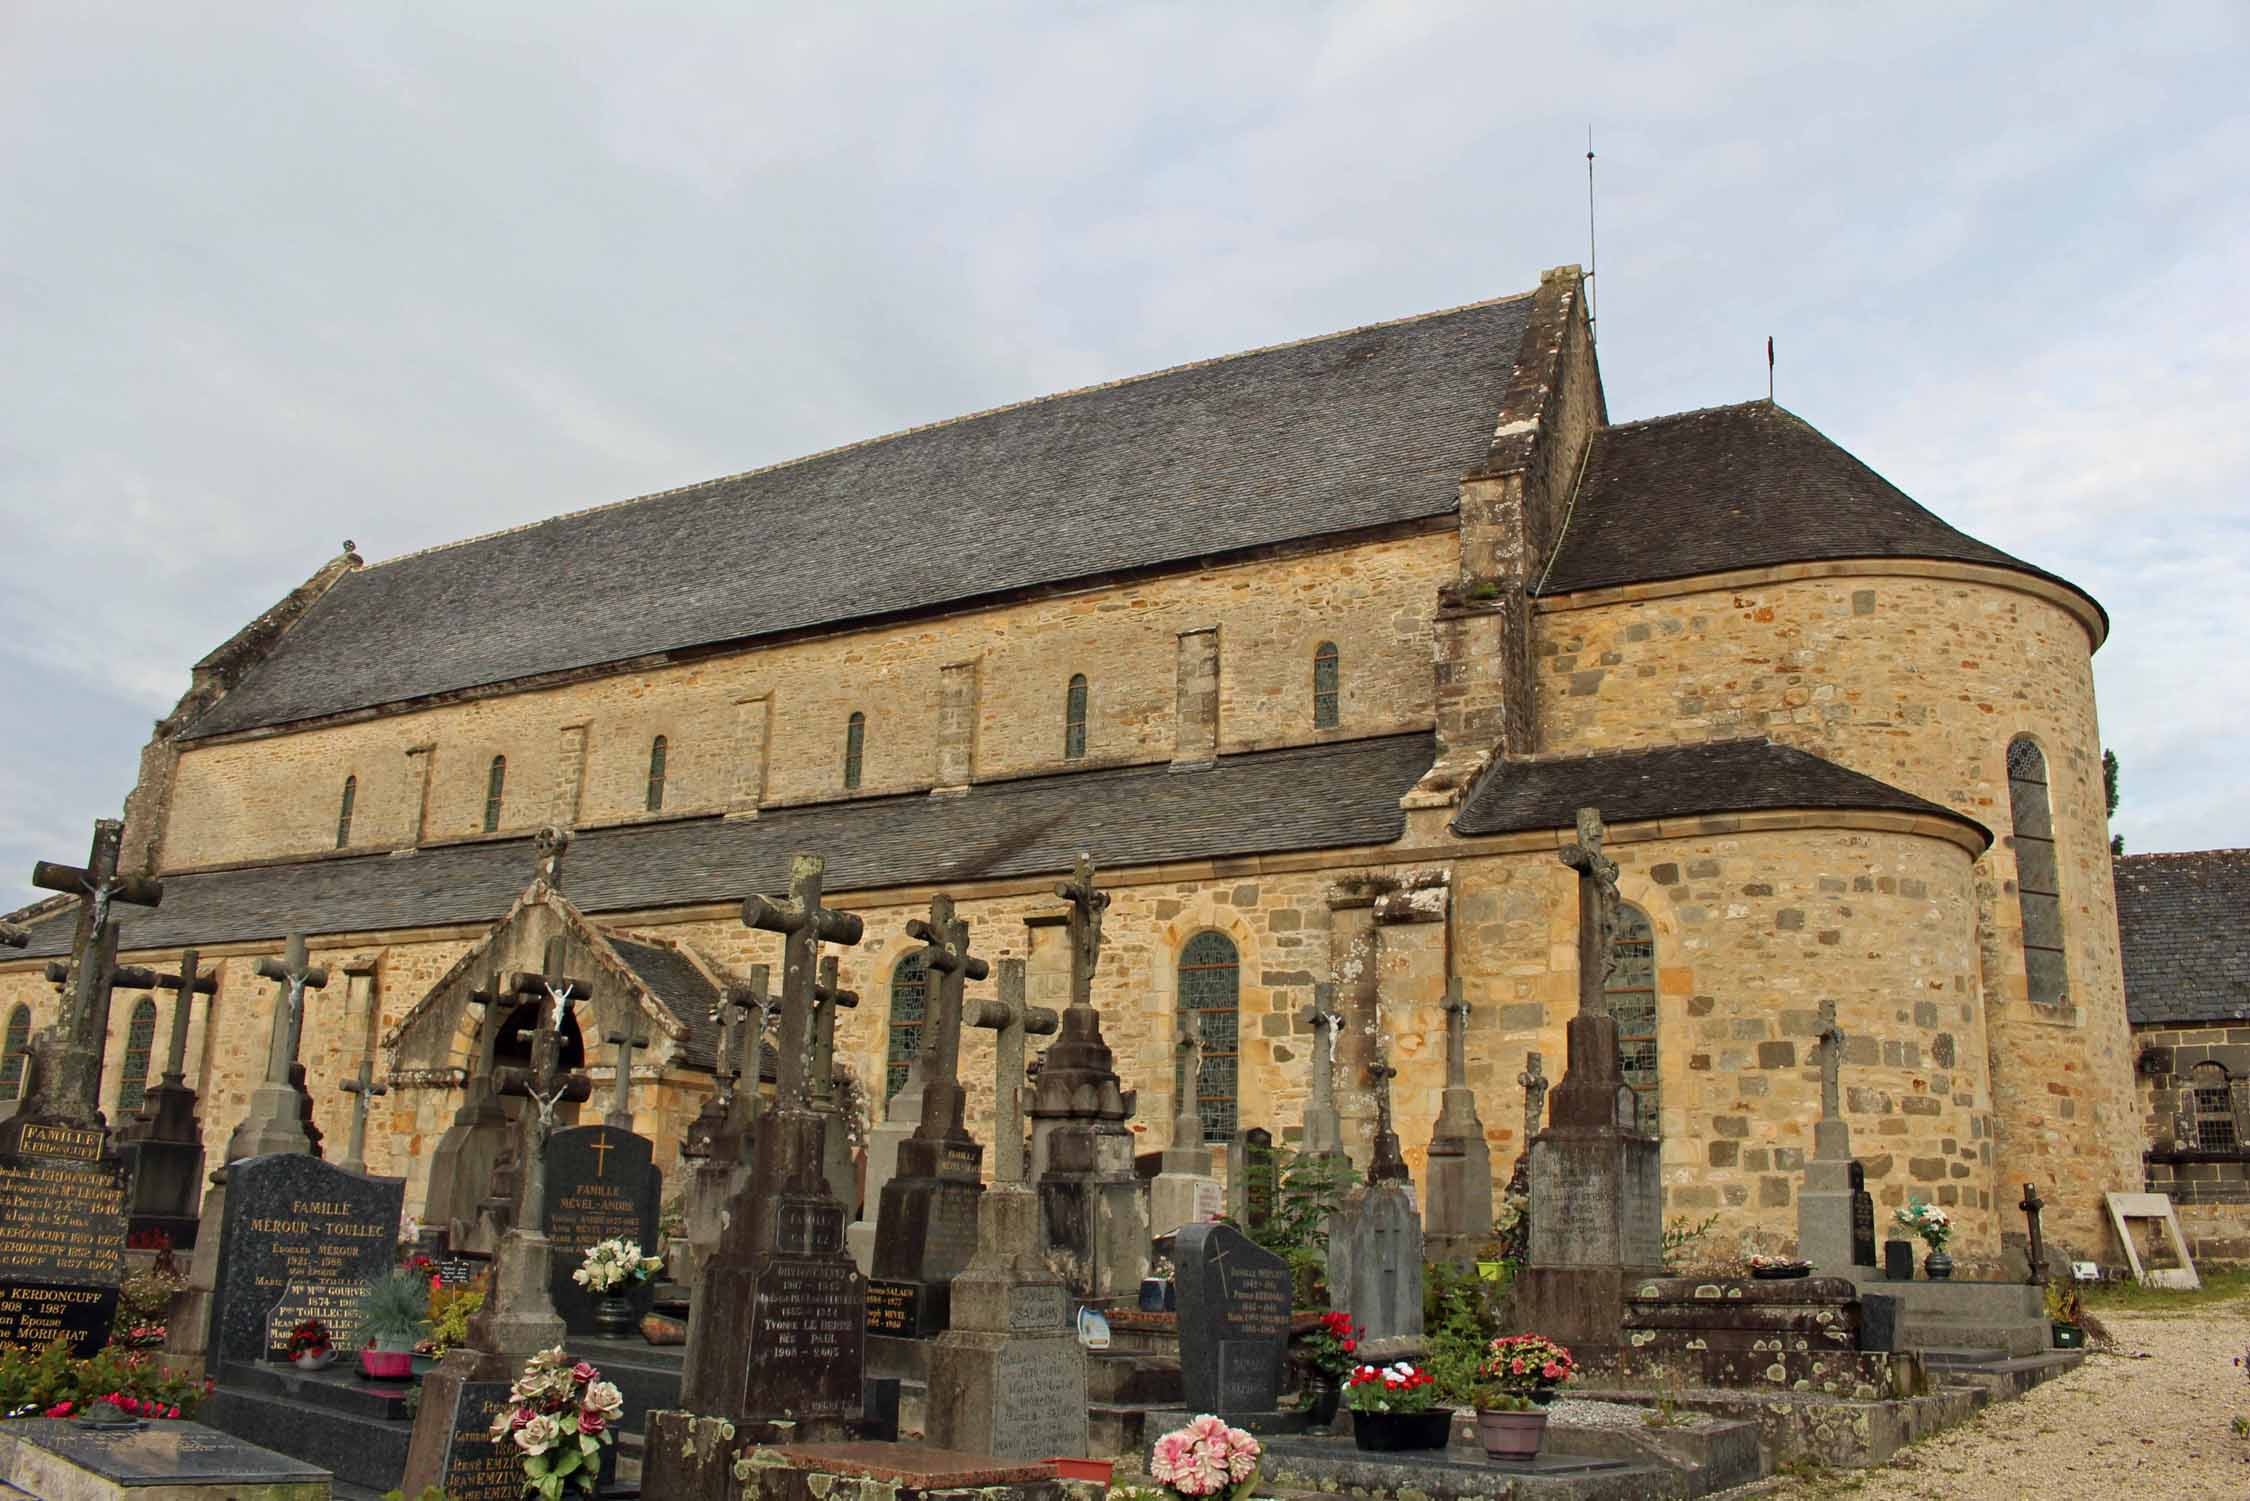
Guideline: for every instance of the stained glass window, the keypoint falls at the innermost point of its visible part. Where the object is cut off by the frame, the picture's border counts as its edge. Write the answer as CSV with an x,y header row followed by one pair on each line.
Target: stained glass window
x,y
1074,719
495,782
855,746
344,812
656,751
140,1036
910,997
1211,989
2214,1108
1324,671
12,1052
1630,986
2038,891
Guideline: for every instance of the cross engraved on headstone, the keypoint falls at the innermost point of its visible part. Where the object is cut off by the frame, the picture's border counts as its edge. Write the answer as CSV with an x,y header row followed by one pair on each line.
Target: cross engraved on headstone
x,y
1534,1084
2036,1253
949,964
1187,1125
545,1084
804,925
1831,1061
189,983
69,1088
626,1042
295,973
1599,912
1010,1019
1087,903
363,1088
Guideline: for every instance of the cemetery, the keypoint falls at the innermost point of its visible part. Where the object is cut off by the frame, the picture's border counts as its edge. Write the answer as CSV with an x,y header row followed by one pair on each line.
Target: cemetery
x,y
1034,1315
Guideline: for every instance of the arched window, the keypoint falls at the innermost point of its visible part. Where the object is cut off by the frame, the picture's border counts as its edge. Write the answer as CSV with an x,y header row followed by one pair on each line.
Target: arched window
x,y
495,782
140,1036
1074,719
344,812
1324,669
1211,989
855,745
2038,892
2211,1108
910,998
1630,987
656,774
12,1052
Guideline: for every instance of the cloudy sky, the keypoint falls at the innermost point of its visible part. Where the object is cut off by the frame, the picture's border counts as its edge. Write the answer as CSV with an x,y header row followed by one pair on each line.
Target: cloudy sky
x,y
277,275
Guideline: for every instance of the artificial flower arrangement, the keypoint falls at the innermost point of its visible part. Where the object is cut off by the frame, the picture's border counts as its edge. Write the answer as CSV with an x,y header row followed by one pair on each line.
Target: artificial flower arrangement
x,y
1206,1458
559,1415
1334,1344
310,1337
1521,1371
49,1382
1933,1224
1404,1387
614,1264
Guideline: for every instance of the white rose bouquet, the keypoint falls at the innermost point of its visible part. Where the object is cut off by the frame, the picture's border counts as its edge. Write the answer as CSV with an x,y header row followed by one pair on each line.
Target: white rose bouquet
x,y
614,1264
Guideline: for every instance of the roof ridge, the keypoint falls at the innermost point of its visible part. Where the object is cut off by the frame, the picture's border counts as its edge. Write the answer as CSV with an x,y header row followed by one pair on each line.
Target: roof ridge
x,y
2184,854
1725,406
960,420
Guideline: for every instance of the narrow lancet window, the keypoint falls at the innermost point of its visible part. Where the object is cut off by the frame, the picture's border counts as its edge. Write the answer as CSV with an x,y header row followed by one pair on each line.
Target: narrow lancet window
x,y
1074,719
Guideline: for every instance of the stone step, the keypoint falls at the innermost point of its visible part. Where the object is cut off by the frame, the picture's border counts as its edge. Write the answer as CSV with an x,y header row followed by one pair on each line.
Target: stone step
x,y
1941,1355
337,1389
1142,1380
356,1449
2010,1376
2010,1338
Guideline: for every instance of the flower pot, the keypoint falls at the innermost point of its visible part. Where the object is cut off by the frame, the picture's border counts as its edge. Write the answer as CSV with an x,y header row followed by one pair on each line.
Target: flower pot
x,y
1082,1469
1320,1399
423,1365
2069,1337
1158,1295
1492,1271
1898,1260
1392,1432
313,1360
1511,1435
613,1316
1938,1265
387,1365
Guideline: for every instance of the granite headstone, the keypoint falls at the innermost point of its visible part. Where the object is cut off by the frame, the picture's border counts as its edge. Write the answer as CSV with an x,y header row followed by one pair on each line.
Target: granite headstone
x,y
62,1237
601,1184
303,1237
1234,1320
1863,1219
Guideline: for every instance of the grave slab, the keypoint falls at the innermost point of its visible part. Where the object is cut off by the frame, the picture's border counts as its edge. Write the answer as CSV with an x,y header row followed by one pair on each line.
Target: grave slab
x,y
56,1460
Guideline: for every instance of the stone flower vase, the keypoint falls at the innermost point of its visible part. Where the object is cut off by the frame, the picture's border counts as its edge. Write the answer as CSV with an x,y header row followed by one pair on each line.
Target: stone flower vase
x,y
1938,1265
313,1360
1511,1435
613,1316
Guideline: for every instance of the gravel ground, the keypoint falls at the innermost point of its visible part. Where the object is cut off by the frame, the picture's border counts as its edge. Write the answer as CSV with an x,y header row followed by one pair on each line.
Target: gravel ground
x,y
2150,1420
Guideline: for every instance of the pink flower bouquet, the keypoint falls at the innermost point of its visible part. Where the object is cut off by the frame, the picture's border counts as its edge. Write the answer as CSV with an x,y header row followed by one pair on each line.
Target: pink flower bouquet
x,y
560,1416
1206,1458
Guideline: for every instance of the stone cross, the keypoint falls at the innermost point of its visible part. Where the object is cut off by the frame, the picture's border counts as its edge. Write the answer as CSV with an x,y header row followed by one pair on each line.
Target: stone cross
x,y
363,1089
1534,1084
626,1042
72,1094
830,997
1322,1134
1598,912
2037,1253
1831,1061
804,925
1187,1125
1456,1037
295,973
1086,907
745,1051
189,983
546,1085
1010,1019
1388,1161
550,844
950,965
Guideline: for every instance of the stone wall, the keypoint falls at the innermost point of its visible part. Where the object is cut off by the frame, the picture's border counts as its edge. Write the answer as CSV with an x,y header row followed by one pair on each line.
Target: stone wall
x,y
768,725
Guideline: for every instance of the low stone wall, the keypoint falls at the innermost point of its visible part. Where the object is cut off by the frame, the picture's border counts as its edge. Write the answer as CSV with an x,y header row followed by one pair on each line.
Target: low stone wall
x,y
2218,1234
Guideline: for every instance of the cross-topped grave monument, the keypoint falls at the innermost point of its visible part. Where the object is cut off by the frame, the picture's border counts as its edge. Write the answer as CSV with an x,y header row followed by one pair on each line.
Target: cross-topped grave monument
x,y
1533,1079
1375,1236
1184,1191
1009,1376
1324,1128
602,1184
1082,1148
1458,1218
926,1225
365,1089
468,1155
163,1145
830,997
276,1118
1827,1205
66,1087
627,1042
727,1127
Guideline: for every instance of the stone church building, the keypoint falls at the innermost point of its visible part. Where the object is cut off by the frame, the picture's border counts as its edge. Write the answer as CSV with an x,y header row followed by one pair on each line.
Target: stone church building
x,y
1316,649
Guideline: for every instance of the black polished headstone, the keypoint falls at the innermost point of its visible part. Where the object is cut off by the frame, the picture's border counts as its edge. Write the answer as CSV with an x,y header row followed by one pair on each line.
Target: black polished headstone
x,y
1234,1320
301,1237
62,1238
1898,1260
1878,1321
1863,1219
601,1184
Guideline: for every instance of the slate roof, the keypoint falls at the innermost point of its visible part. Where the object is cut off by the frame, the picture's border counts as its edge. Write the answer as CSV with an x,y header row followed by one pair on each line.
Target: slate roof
x,y
2183,923
680,988
1743,486
1676,781
1309,797
1357,429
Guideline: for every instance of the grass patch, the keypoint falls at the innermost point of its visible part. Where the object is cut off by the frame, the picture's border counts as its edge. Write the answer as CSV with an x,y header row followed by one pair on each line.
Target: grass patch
x,y
2221,1285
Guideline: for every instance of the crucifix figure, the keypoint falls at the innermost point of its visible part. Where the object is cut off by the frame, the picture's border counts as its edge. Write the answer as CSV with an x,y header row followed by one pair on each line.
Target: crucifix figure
x,y
621,1100
189,983
1087,903
545,1084
1187,1125
1389,1161
363,1088
70,1091
1831,1061
295,973
1010,1020
804,925
1323,1132
1456,1037
950,965
1534,1083
1598,912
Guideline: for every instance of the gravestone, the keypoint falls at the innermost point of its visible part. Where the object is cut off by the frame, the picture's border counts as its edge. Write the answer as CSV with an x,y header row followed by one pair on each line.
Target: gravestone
x,y
1082,1149
301,1239
601,1183
55,1458
163,1146
829,997
462,1167
1234,1321
900,1118
62,1236
1863,1220
722,1166
1009,1376
1375,1236
1828,1233
1183,1191
1459,1217
476,1468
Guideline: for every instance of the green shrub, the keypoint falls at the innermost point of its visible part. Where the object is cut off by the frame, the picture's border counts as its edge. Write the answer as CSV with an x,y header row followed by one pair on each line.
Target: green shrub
x,y
34,1382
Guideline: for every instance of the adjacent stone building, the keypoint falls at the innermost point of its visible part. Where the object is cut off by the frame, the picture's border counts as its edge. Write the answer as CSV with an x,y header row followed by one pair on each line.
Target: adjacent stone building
x,y
2187,995
1316,649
